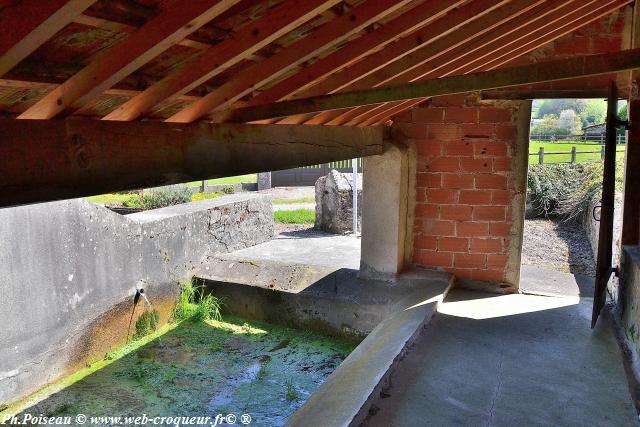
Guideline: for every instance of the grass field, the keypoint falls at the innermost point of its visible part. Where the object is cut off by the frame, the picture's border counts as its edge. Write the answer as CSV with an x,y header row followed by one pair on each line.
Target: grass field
x,y
298,216
228,180
554,147
130,199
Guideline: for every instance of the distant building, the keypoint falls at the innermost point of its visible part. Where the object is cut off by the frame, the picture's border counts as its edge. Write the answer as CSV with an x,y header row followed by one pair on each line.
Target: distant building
x,y
595,130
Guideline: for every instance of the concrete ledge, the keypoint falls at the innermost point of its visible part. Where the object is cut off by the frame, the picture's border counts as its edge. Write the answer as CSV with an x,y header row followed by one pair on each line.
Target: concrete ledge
x,y
345,398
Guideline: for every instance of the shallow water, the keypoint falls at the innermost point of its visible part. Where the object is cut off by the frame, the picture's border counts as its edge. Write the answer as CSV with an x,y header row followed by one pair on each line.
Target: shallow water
x,y
204,369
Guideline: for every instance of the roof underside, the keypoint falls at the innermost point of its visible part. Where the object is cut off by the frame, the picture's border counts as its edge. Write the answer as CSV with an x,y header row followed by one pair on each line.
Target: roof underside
x,y
185,61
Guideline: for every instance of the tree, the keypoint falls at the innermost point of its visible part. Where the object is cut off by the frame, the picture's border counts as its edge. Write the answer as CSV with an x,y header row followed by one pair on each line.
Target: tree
x,y
555,106
548,126
594,113
623,112
569,121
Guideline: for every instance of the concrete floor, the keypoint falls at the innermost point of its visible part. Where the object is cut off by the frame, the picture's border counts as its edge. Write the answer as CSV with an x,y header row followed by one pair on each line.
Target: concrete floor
x,y
510,360
308,247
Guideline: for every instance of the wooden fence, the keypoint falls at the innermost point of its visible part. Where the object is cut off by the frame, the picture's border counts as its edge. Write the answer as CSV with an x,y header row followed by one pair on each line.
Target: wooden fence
x,y
574,154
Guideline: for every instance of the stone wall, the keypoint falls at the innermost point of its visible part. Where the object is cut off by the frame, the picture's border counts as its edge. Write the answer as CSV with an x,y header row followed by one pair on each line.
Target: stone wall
x,y
470,185
69,271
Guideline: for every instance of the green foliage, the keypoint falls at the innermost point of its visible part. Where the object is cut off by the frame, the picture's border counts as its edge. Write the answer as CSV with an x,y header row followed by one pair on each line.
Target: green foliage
x,y
196,306
594,113
290,393
297,216
555,106
623,112
549,184
147,322
228,190
161,197
567,190
206,196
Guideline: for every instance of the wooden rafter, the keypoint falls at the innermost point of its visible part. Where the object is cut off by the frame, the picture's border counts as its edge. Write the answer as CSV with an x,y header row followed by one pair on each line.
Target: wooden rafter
x,y
395,51
355,50
216,59
47,160
565,25
157,35
329,34
509,36
28,24
571,68
441,46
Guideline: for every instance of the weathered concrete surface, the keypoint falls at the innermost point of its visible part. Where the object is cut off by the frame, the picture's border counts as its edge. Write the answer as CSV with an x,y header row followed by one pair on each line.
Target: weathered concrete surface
x,y
537,280
627,306
510,360
384,226
592,228
345,398
69,271
334,202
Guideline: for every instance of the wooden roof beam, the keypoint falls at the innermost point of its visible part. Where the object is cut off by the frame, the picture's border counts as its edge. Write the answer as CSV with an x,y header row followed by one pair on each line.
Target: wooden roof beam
x,y
451,22
329,34
564,69
356,49
44,160
153,38
474,26
565,25
28,24
276,23
509,36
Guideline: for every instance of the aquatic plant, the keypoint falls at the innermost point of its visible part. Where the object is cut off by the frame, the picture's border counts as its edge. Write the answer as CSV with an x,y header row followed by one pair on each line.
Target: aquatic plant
x,y
263,372
196,306
291,392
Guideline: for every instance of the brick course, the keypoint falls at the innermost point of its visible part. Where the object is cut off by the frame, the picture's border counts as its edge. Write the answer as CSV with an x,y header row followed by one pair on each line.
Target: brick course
x,y
464,184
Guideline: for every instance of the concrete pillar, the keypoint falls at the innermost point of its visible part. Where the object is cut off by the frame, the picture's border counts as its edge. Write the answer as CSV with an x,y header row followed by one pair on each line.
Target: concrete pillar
x,y
384,212
264,181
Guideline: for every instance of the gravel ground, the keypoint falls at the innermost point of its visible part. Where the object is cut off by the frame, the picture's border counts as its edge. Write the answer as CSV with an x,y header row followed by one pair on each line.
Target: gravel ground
x,y
557,245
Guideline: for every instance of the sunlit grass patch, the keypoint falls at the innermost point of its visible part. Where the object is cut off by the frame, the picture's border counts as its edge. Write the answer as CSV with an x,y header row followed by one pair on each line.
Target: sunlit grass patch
x,y
297,216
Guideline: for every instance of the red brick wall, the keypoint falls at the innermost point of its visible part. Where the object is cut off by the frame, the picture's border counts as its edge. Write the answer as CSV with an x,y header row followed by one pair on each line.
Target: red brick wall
x,y
465,185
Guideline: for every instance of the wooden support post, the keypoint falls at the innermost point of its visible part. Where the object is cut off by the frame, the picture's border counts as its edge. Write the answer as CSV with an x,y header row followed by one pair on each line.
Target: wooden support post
x,y
541,155
573,154
43,160
602,151
535,73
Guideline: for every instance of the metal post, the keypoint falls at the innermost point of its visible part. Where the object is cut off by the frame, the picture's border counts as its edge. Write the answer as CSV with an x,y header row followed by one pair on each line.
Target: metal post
x,y
541,155
573,154
602,150
354,167
203,185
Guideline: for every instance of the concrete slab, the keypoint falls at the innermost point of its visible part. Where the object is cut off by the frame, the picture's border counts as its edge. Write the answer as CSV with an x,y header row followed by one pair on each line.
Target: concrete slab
x,y
507,360
537,280
316,248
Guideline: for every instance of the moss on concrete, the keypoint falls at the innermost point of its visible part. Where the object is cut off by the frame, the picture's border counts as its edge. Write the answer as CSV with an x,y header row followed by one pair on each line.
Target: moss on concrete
x,y
199,369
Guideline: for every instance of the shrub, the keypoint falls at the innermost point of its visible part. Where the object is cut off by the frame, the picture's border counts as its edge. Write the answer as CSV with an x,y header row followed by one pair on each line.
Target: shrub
x,y
567,190
162,197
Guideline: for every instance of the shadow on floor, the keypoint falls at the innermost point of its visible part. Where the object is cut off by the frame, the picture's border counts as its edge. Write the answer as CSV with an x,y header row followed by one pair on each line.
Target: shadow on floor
x,y
510,360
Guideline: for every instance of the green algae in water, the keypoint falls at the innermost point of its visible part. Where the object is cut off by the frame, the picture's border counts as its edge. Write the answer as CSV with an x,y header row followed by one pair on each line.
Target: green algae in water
x,y
206,368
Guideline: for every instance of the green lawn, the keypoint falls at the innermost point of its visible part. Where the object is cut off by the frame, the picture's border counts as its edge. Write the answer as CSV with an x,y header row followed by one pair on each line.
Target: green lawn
x,y
228,180
121,199
565,147
298,201
298,216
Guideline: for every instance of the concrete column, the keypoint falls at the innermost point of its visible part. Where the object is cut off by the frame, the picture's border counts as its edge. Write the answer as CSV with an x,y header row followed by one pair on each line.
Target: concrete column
x,y
264,181
384,212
